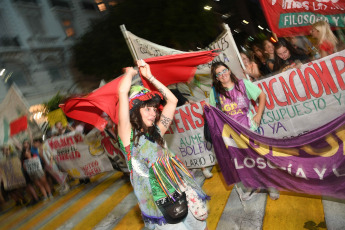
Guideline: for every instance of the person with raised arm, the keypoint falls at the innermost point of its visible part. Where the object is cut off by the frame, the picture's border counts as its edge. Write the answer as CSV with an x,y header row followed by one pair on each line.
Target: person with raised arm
x,y
168,196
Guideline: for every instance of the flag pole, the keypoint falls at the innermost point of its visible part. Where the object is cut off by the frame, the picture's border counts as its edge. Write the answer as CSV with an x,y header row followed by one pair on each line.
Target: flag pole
x,y
128,41
227,28
131,49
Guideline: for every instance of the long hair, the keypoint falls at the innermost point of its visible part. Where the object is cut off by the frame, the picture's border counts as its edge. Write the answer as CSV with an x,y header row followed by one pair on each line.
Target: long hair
x,y
220,89
325,33
139,127
280,63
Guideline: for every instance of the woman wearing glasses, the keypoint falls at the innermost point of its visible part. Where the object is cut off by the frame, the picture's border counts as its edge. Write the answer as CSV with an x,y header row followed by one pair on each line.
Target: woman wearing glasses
x,y
233,96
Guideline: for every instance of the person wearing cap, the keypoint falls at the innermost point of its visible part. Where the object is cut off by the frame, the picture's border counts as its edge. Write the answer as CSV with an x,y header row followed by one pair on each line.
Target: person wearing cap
x,y
156,174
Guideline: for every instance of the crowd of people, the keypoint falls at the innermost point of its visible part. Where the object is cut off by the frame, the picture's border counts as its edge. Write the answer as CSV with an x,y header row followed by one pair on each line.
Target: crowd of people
x,y
167,193
267,58
40,184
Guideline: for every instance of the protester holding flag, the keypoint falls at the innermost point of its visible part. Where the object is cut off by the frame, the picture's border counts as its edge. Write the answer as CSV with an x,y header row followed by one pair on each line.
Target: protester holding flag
x,y
161,182
326,40
233,97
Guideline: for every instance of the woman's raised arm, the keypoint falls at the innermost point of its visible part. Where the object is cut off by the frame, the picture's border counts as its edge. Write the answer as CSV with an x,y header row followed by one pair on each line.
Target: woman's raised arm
x,y
124,125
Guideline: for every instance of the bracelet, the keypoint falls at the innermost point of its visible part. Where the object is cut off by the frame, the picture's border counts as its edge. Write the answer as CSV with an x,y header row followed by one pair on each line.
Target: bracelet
x,y
151,78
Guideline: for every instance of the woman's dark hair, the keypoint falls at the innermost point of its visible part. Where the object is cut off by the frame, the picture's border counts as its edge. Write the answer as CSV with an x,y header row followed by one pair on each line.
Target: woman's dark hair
x,y
139,128
280,63
218,85
255,58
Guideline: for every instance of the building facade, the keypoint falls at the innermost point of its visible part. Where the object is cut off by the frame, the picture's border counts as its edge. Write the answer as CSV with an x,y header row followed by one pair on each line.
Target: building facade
x,y
35,44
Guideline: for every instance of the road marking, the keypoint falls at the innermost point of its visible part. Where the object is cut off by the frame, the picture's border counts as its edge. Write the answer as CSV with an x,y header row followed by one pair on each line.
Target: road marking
x,y
293,211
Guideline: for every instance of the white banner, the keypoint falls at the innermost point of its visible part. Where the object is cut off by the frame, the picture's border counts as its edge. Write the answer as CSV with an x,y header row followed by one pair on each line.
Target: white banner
x,y
11,174
186,137
12,107
201,84
300,100
80,155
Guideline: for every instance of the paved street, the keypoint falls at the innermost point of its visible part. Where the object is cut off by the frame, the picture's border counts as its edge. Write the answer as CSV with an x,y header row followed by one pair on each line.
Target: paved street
x,y
108,202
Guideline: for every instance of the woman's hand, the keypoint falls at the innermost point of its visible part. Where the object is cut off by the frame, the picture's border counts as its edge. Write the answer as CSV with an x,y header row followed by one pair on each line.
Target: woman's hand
x,y
125,84
257,119
144,69
130,71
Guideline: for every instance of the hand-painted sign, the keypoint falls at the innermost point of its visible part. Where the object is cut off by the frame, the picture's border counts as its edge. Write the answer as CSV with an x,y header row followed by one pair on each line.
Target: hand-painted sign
x,y
294,17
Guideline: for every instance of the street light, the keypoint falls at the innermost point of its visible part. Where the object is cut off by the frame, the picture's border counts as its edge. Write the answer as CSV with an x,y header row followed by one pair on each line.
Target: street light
x,y
224,16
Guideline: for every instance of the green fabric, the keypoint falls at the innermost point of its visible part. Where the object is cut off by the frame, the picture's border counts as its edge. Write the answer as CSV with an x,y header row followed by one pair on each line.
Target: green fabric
x,y
252,90
157,191
123,149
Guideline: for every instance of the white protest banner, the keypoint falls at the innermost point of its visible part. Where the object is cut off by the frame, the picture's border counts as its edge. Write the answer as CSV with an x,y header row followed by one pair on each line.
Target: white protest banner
x,y
186,137
33,165
11,173
13,107
300,100
80,155
201,85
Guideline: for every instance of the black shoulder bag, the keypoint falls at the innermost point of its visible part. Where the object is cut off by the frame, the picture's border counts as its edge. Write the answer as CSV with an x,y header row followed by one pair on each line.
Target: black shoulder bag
x,y
173,211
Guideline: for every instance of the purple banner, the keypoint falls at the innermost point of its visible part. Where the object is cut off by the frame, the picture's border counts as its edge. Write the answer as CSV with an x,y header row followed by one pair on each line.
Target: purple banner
x,y
313,163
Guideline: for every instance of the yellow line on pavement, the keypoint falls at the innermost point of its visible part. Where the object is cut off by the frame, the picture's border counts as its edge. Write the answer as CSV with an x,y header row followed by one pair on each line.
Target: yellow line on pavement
x,y
81,203
132,221
11,212
219,192
17,218
46,211
293,211
98,214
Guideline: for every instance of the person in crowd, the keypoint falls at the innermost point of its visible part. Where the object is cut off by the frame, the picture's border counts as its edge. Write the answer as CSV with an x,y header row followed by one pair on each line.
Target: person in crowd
x,y
182,100
269,52
287,57
38,177
228,90
59,129
50,167
251,68
17,193
260,59
159,178
29,183
302,44
326,40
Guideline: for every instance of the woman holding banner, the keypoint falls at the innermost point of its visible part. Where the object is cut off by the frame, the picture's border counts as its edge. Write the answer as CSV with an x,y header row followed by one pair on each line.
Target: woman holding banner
x,y
233,97
168,196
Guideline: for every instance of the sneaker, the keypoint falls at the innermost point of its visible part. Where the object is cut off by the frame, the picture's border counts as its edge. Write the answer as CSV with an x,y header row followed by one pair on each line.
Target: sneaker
x,y
249,194
51,197
273,193
207,173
